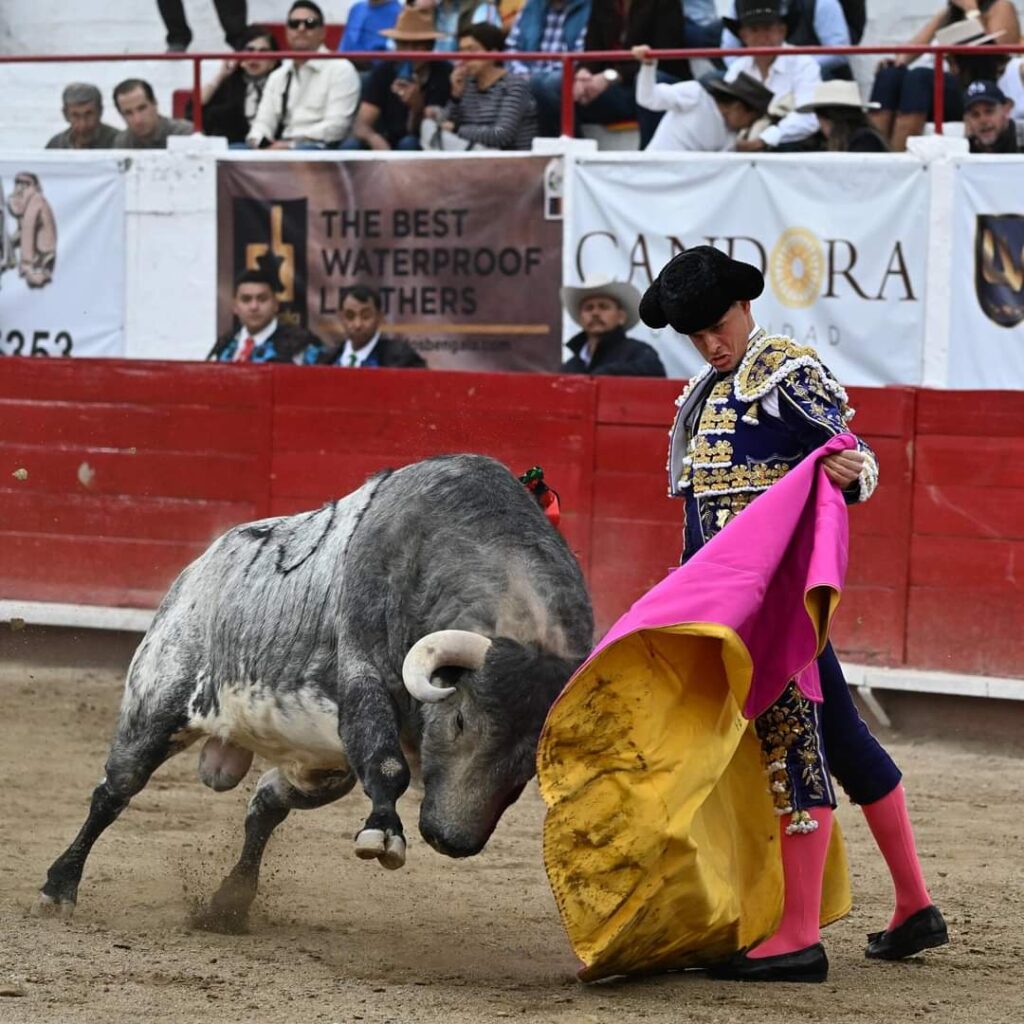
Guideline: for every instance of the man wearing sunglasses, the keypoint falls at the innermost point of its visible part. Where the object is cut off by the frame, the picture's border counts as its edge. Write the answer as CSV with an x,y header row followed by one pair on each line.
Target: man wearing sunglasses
x,y
307,104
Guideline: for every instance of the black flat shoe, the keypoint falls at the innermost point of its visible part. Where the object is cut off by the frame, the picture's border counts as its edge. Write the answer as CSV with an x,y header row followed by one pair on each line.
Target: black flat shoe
x,y
804,965
923,930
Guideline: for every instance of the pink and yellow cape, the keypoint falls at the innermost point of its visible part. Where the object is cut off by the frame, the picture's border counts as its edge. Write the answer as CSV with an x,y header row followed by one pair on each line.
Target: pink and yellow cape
x,y
660,841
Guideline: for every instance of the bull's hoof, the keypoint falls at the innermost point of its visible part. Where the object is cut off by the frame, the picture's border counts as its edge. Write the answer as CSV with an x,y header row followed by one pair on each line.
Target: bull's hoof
x,y
376,844
224,920
47,906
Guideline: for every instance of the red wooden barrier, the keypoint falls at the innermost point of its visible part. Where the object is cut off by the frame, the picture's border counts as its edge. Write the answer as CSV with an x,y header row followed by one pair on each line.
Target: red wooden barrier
x,y
114,474
966,594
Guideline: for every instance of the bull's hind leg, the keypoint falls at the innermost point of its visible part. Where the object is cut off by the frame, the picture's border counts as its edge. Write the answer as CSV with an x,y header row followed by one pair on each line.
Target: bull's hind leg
x,y
129,766
275,796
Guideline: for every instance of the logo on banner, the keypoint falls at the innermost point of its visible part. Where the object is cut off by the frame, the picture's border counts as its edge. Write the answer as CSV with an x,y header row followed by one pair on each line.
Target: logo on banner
x,y
999,267
31,245
270,236
796,268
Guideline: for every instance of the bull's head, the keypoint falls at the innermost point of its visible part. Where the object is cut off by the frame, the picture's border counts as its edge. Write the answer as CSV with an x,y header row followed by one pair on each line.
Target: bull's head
x,y
480,733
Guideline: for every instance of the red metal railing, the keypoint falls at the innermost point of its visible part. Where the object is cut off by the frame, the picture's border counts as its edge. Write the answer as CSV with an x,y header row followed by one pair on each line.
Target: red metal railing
x,y
568,62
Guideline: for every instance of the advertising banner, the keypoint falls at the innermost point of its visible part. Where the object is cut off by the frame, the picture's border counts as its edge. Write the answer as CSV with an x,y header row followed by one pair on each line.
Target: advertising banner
x,y
62,258
844,253
465,253
986,336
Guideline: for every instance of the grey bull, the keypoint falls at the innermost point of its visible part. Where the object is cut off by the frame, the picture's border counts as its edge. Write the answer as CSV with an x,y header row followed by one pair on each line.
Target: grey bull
x,y
428,619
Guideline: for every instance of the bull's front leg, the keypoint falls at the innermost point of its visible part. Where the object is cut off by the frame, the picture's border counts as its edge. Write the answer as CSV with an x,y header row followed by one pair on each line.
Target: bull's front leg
x,y
369,729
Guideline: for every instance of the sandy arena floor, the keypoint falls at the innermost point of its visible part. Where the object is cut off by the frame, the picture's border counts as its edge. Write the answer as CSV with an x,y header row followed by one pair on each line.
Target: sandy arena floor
x,y
337,939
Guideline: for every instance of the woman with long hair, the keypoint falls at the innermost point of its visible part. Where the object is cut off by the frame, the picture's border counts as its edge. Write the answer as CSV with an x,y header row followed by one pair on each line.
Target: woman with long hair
x,y
843,118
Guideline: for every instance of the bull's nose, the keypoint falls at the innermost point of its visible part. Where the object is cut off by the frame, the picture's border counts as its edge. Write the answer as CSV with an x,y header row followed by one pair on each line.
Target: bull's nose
x,y
450,845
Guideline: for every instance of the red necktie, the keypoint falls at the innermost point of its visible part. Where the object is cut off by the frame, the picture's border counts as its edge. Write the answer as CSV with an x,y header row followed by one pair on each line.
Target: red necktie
x,y
244,351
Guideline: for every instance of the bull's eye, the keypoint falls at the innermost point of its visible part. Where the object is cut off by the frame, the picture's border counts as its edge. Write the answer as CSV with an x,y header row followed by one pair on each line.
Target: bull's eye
x,y
460,722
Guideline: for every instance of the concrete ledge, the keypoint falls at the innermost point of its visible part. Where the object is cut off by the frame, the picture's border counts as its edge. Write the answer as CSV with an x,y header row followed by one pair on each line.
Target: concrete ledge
x,y
864,677
78,616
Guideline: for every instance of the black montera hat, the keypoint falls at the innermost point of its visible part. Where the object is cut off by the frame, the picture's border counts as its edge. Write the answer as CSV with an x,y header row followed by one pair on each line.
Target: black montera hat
x,y
754,12
696,287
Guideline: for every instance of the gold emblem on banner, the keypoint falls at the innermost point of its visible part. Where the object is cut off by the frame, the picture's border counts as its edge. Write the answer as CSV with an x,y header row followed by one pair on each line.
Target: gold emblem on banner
x,y
276,258
796,268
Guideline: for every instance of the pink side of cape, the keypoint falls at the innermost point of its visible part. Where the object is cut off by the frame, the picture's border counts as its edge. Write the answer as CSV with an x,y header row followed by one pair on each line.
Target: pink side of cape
x,y
752,578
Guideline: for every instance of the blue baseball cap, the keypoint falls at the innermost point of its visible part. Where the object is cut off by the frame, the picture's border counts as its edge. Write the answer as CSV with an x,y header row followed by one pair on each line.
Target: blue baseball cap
x,y
983,91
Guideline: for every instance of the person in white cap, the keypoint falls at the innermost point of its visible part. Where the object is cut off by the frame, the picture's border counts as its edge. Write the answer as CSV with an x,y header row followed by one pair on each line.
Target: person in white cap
x,y
606,309
842,117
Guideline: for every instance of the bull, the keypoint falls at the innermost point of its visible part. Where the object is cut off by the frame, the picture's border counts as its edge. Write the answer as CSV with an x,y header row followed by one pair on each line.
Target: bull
x,y
426,621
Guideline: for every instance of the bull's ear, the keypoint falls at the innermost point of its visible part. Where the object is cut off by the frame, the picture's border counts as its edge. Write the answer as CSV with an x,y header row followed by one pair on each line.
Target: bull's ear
x,y
446,647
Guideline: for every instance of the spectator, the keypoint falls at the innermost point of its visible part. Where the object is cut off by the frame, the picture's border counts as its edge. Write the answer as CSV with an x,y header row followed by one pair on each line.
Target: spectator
x,y
361,319
398,96
260,338
606,309
844,123
232,15
808,23
364,23
699,116
146,127
307,104
788,76
1012,84
231,98
489,107
904,93
83,110
988,121
453,17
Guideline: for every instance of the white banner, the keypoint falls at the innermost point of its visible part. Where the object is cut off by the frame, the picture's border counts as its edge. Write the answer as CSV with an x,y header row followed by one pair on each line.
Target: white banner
x,y
842,241
62,258
986,331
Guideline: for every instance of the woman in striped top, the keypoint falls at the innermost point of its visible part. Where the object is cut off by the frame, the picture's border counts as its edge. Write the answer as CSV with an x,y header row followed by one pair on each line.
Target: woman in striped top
x,y
488,106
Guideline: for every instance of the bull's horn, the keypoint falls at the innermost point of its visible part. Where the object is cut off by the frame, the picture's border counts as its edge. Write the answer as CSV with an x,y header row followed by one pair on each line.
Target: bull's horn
x,y
445,647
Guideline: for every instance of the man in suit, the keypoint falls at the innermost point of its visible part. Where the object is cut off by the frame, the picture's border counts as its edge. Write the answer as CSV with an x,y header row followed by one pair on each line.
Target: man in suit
x,y
362,317
260,338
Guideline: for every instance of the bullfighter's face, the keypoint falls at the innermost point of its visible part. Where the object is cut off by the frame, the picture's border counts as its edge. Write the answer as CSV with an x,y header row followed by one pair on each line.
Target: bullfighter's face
x,y
724,344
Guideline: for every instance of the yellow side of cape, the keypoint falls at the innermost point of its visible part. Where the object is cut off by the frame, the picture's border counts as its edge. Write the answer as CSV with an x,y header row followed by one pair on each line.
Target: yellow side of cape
x,y
660,842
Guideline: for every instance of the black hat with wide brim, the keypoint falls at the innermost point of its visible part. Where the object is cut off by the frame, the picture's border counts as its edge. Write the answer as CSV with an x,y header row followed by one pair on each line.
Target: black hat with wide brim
x,y
754,12
696,288
745,88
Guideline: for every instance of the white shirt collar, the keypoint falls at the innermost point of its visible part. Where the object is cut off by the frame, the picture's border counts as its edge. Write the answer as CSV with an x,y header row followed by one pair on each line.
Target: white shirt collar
x,y
361,355
262,336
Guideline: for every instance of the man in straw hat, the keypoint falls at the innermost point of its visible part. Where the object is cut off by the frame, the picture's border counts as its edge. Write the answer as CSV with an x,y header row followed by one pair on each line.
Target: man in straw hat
x,y
306,104
760,405
397,95
606,309
761,23
842,116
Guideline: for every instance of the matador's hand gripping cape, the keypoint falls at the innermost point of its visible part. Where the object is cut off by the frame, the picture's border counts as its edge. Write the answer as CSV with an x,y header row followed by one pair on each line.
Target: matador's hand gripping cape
x,y
660,841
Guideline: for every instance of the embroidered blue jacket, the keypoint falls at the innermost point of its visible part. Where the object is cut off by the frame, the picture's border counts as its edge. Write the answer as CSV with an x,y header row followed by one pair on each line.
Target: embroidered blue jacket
x,y
735,434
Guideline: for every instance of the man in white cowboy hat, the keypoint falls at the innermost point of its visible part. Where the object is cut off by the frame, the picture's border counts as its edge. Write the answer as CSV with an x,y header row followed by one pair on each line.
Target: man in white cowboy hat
x,y
398,95
606,309
842,116
306,104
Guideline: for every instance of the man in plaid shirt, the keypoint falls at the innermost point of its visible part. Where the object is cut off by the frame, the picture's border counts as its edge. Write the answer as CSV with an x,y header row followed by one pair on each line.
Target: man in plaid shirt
x,y
571,26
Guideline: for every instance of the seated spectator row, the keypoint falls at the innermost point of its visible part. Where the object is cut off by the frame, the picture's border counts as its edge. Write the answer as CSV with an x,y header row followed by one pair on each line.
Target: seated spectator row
x,y
772,104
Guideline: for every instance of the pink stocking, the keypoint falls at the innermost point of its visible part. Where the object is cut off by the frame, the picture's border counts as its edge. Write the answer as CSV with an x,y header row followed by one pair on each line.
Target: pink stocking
x,y
890,825
803,868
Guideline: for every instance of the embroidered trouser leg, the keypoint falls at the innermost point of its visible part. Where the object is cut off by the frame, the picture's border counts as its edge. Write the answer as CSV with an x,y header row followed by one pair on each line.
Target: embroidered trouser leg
x,y
860,763
794,755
